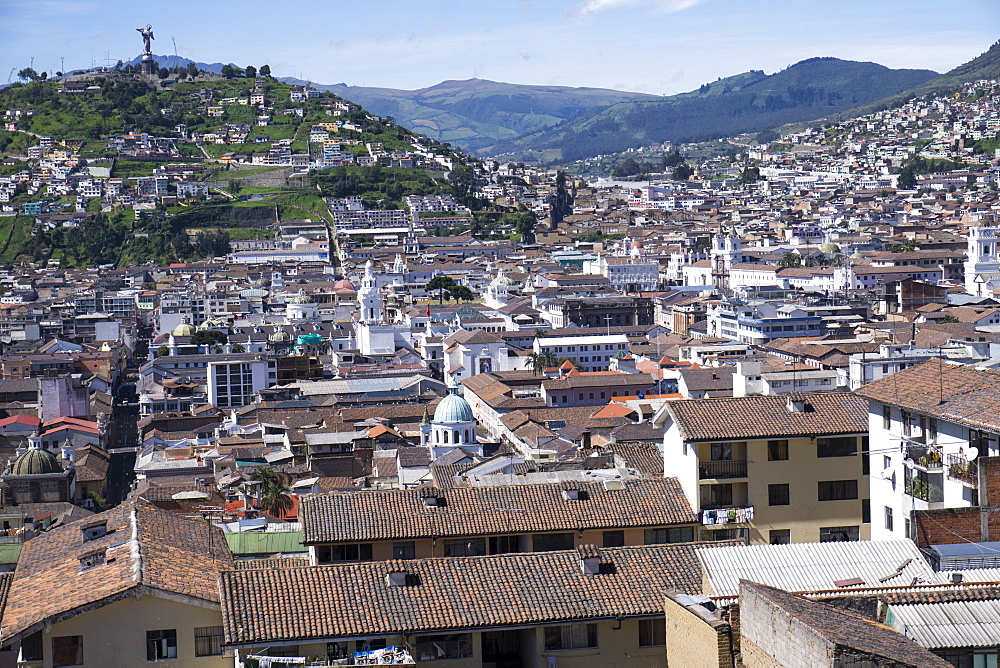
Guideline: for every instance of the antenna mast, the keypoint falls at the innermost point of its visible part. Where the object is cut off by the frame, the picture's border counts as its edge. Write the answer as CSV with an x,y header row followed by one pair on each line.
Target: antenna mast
x,y
175,51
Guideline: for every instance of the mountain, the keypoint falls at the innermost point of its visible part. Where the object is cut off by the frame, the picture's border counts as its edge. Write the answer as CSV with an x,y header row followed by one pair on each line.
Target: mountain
x,y
476,113
180,61
748,102
984,66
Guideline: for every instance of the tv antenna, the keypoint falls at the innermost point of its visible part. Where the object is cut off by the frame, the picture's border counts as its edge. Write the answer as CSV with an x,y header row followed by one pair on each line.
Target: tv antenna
x,y
175,51
11,75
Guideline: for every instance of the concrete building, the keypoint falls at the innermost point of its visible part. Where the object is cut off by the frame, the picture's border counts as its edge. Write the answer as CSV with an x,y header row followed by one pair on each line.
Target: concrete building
x,y
771,469
928,425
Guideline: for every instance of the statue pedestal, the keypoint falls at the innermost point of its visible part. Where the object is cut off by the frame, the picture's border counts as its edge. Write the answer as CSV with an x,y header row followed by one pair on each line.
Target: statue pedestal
x,y
148,65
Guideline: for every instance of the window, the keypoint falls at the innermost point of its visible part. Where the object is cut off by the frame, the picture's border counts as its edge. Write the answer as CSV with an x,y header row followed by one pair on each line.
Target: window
x,y
777,450
888,518
161,645
839,534
573,636
404,550
449,646
505,544
465,547
208,641
67,651
669,535
31,647
904,417
866,511
722,452
777,495
843,446
780,536
838,490
349,552
614,539
547,542
652,632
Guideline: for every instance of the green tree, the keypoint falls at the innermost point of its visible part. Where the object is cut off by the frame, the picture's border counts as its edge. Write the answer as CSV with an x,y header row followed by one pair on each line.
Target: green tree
x,y
948,319
163,350
561,204
238,348
163,73
463,181
627,167
790,260
750,175
192,70
461,293
683,172
250,72
265,70
273,494
228,71
209,337
440,284
99,501
27,74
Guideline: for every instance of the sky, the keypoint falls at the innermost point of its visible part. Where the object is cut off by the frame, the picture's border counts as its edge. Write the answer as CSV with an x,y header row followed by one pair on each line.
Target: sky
x,y
651,46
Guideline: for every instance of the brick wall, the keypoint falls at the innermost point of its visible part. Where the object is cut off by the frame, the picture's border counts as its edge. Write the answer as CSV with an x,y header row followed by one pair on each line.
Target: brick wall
x,y
696,637
958,525
755,657
771,636
951,525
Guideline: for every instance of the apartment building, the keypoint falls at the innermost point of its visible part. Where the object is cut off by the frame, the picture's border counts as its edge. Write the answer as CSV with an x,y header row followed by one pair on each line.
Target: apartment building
x,y
772,469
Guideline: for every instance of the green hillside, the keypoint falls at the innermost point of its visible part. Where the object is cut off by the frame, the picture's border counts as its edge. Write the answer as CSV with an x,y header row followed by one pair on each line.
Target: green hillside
x,y
476,113
984,66
749,102
254,196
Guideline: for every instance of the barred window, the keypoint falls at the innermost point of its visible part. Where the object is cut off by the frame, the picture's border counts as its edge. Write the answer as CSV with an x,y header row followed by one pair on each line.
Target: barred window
x,y
208,641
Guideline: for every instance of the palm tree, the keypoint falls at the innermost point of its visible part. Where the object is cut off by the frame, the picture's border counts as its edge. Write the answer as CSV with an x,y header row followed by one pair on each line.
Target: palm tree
x,y
277,499
273,495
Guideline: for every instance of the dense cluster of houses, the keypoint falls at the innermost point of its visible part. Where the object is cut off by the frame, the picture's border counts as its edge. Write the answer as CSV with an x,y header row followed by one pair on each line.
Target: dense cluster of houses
x,y
753,426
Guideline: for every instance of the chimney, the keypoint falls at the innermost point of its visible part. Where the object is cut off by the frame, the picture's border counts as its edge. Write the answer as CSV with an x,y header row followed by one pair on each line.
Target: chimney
x,y
590,559
395,574
796,402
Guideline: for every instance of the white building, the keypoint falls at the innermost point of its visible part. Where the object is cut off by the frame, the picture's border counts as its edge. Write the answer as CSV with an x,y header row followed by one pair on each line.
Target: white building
x,y
471,352
234,383
982,266
591,353
755,378
927,426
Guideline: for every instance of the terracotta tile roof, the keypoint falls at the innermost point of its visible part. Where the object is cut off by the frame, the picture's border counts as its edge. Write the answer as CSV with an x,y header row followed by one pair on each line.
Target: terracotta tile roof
x,y
850,630
643,457
146,550
956,392
473,511
966,592
766,416
321,602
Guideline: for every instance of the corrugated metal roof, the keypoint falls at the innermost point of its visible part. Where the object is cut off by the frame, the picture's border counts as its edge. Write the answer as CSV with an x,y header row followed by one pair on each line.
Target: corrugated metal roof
x,y
261,542
354,385
812,566
952,624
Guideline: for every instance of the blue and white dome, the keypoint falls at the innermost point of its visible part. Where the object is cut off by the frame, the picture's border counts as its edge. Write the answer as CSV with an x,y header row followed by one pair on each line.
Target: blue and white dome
x,y
453,408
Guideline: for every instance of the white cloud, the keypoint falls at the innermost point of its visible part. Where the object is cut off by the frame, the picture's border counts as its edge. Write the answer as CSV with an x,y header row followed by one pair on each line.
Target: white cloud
x,y
667,6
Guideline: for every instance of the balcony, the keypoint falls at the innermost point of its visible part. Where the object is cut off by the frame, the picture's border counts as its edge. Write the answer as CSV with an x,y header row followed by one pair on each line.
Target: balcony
x,y
728,468
924,487
731,515
960,468
927,457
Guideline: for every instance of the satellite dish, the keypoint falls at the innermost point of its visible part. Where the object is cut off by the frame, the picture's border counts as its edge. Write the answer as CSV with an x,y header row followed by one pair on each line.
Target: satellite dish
x,y
972,453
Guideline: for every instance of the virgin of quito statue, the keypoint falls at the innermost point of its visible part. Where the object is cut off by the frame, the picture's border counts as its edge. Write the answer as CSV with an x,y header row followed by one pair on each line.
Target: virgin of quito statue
x,y
148,64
